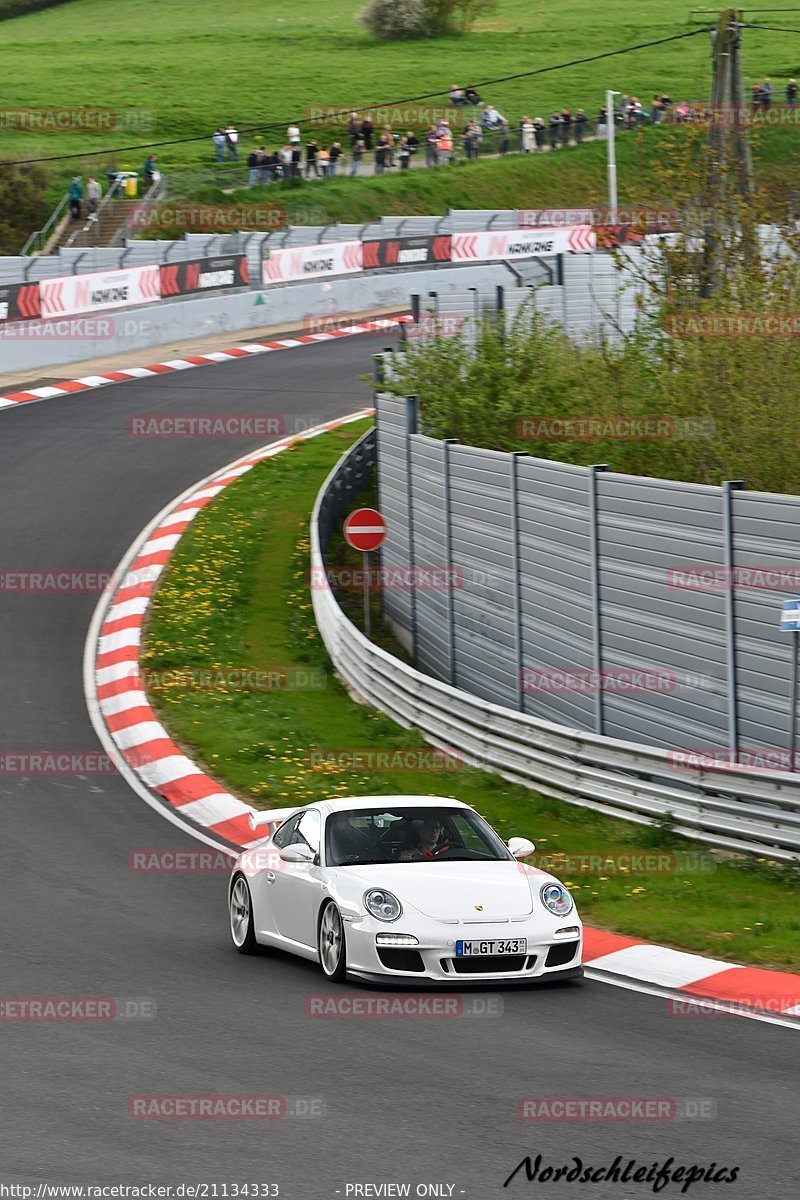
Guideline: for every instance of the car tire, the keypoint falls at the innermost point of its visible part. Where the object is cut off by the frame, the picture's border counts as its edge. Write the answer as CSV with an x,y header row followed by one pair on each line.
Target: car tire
x,y
240,911
331,944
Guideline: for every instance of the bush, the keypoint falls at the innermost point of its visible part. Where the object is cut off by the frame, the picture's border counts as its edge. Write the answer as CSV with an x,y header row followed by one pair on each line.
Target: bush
x,y
394,20
18,8
23,204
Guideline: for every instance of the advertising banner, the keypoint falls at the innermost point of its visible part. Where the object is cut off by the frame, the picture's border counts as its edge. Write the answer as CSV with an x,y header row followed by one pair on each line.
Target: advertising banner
x,y
522,243
406,251
312,262
100,290
19,302
203,275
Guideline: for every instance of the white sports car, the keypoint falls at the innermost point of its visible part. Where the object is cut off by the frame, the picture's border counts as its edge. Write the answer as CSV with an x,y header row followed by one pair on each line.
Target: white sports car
x,y
402,887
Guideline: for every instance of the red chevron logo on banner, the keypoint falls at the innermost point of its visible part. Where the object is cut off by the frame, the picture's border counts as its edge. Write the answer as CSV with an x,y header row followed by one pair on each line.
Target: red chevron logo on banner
x,y
371,251
352,256
442,248
149,282
169,280
29,300
581,239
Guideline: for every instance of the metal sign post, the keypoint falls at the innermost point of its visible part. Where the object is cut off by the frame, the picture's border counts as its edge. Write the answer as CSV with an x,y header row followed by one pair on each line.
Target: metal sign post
x,y
612,154
365,530
790,623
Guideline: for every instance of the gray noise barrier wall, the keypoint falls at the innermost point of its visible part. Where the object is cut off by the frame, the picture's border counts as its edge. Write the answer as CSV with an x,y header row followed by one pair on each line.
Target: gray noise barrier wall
x,y
592,599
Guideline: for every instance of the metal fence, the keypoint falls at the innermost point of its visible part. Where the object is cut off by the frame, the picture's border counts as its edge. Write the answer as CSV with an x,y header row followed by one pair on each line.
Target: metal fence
x,y
742,809
642,609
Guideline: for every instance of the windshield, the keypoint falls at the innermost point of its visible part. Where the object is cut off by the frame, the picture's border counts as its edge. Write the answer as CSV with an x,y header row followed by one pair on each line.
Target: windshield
x,y
361,836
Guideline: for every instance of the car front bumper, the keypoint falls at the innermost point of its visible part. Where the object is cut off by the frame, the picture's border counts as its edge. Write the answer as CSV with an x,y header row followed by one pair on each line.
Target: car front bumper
x,y
434,959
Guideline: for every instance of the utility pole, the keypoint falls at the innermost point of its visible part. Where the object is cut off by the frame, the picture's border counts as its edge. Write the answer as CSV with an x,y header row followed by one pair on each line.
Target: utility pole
x,y
729,154
728,128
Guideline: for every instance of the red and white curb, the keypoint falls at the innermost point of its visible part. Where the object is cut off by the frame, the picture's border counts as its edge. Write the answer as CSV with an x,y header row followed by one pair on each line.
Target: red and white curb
x,y
142,749
695,984
68,387
117,701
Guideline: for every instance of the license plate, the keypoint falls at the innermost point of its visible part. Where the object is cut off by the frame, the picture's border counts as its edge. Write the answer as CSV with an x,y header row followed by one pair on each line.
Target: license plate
x,y
476,949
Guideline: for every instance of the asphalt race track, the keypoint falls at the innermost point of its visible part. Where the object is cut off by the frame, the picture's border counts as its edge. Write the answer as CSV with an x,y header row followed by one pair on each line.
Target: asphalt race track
x,y
418,1101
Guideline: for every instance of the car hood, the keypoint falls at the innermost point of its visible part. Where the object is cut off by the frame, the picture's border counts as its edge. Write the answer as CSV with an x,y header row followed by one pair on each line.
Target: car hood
x,y
479,891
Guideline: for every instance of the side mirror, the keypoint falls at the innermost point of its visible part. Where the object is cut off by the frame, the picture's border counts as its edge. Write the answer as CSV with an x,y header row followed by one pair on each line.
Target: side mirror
x,y
521,847
297,853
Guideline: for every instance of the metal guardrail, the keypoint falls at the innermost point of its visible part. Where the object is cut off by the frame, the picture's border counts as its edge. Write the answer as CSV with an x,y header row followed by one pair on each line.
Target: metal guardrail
x,y
734,809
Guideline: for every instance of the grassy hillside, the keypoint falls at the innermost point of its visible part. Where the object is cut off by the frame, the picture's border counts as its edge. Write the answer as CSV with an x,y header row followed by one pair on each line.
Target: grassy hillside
x,y
186,66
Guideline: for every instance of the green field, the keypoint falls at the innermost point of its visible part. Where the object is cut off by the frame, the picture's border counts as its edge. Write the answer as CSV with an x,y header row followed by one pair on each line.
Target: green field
x,y
235,596
188,65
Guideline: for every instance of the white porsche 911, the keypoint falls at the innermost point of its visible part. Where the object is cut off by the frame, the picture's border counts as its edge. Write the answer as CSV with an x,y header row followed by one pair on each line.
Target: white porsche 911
x,y
402,887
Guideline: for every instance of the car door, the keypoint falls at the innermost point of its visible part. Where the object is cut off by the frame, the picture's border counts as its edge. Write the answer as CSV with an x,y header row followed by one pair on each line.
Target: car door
x,y
296,886
262,866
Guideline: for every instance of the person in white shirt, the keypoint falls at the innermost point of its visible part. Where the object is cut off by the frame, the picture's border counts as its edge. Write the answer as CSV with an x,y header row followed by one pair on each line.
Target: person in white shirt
x,y
94,194
293,134
232,141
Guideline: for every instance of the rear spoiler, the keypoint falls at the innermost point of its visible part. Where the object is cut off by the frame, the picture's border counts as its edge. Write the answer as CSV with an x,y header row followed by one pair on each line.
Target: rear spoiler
x,y
275,816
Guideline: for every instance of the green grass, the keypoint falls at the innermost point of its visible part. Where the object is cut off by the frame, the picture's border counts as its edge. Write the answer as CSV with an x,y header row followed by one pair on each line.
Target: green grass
x,y
192,66
235,595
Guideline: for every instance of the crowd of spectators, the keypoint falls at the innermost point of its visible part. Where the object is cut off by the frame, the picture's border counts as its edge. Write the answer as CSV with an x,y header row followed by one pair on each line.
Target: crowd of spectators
x,y
481,125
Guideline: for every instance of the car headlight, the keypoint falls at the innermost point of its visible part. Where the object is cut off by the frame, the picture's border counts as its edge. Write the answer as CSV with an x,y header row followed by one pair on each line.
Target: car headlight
x,y
556,897
382,904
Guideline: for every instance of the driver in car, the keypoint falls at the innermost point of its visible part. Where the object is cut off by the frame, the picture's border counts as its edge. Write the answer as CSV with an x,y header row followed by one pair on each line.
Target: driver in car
x,y
427,842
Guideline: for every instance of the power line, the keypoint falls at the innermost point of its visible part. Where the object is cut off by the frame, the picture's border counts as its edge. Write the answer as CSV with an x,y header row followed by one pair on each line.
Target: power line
x,y
263,127
768,28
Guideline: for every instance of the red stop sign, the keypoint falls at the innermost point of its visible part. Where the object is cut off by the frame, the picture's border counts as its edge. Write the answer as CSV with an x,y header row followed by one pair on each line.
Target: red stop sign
x,y
365,529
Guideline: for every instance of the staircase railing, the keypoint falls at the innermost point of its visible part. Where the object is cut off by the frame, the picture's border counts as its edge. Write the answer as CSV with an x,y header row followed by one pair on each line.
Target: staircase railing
x,y
155,193
94,221
38,240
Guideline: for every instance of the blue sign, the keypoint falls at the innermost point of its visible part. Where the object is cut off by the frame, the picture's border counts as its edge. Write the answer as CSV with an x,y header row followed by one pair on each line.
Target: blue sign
x,y
790,616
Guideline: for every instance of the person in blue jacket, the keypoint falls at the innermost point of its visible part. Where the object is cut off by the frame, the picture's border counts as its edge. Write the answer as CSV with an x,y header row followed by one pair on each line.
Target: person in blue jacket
x,y
75,197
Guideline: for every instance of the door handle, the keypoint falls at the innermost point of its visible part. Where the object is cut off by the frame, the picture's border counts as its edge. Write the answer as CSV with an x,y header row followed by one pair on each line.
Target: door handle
x,y
270,876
